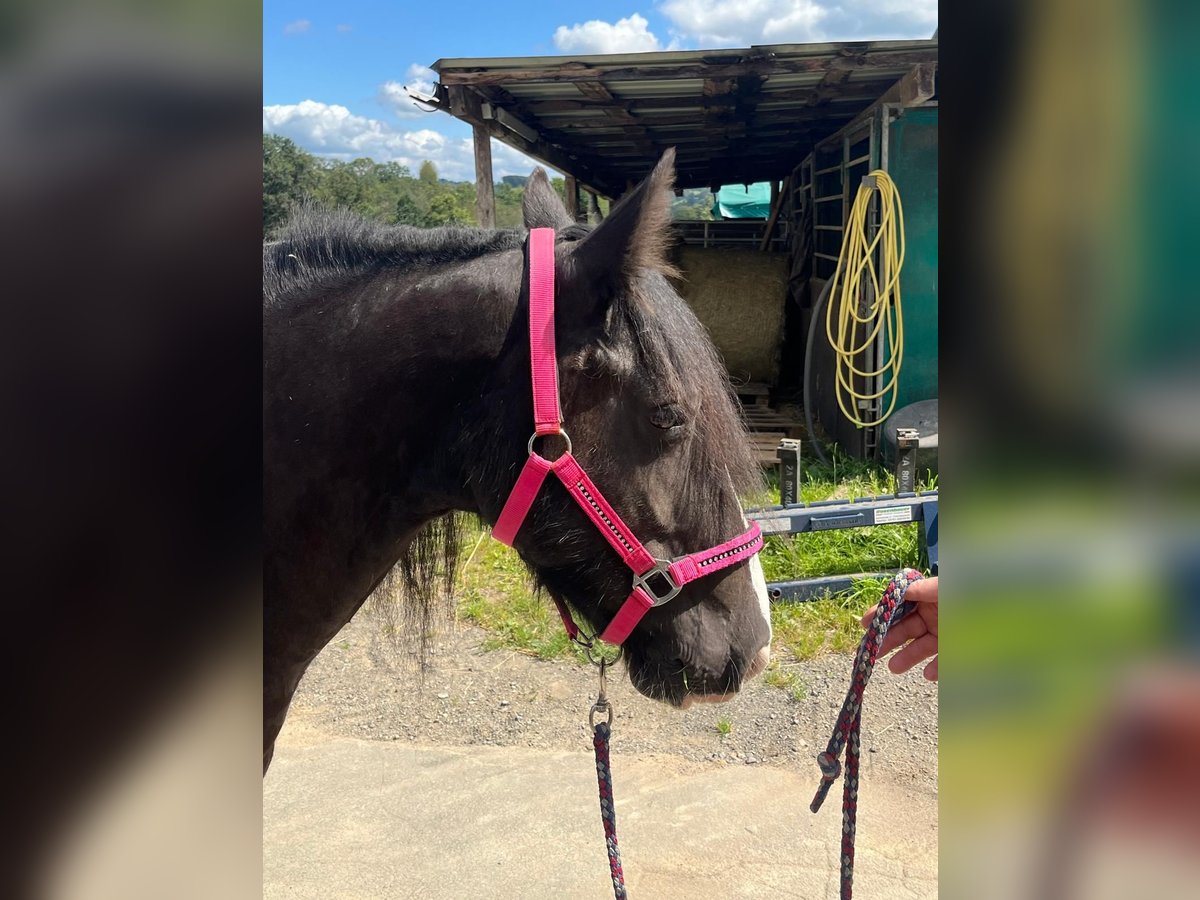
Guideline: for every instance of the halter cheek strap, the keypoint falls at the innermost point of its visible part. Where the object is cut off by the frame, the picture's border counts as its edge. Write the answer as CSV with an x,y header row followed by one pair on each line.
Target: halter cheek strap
x,y
655,581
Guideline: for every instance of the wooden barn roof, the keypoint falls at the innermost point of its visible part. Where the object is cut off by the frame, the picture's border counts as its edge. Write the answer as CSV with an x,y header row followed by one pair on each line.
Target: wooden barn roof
x,y
734,116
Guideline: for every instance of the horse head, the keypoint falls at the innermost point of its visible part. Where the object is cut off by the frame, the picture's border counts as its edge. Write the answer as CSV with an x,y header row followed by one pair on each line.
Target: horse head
x,y
654,422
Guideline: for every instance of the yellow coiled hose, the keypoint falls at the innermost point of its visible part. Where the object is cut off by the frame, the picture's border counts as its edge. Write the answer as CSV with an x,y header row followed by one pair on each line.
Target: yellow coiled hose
x,y
857,332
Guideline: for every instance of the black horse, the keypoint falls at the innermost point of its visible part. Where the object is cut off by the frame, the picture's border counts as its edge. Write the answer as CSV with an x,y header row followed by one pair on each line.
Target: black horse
x,y
397,392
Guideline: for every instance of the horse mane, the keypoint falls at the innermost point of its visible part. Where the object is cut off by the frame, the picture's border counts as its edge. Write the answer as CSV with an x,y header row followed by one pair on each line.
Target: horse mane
x,y
416,596
320,248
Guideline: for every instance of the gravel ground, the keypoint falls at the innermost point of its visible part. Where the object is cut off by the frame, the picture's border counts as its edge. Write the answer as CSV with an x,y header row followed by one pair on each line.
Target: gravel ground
x,y
363,686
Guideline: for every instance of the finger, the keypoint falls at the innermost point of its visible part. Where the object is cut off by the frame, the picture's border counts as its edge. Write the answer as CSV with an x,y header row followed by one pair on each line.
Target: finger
x,y
923,591
931,670
869,615
908,656
902,632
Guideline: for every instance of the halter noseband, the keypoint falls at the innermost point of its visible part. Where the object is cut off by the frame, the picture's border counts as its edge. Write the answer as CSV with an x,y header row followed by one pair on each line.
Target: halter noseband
x,y
655,581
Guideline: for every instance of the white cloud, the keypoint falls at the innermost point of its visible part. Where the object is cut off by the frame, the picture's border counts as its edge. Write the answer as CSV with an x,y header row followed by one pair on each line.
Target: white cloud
x,y
715,23
626,36
421,78
344,28
394,96
333,131
298,27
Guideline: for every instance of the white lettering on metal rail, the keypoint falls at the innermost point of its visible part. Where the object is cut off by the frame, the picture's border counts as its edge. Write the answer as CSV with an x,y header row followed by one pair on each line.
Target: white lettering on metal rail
x,y
893,514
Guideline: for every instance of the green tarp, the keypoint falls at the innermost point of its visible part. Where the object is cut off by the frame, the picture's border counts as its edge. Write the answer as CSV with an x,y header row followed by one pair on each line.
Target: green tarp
x,y
736,201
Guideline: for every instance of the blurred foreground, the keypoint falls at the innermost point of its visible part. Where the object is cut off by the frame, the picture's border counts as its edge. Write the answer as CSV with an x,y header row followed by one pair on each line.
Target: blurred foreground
x,y
1070,719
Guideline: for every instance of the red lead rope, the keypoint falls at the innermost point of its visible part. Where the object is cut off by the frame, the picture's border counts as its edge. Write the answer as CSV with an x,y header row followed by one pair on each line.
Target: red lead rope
x,y
892,608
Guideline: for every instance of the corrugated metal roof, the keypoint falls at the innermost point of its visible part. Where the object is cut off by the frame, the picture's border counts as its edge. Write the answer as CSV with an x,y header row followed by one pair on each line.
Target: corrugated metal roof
x,y
735,115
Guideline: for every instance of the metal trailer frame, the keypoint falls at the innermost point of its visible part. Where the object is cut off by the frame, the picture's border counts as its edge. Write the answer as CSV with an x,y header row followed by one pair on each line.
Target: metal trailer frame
x,y
919,508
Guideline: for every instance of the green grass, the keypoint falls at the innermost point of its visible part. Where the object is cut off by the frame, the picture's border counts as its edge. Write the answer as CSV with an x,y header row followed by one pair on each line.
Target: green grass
x,y
495,591
724,726
784,677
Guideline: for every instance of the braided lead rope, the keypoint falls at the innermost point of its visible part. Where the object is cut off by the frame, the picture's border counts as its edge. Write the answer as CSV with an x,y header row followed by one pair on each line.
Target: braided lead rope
x,y
608,812
892,608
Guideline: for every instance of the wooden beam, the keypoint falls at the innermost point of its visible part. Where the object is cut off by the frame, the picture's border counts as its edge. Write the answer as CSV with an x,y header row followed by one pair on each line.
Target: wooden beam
x,y
485,193
739,131
918,86
465,104
614,110
765,66
915,87
571,196
856,90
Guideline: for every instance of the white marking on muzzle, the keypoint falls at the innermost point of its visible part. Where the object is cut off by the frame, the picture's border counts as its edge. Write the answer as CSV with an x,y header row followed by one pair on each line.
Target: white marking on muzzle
x,y
759,663
760,590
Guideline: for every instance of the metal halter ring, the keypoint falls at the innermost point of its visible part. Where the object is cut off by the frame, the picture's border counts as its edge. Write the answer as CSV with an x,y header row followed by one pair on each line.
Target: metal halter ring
x,y
596,707
661,567
560,433
601,661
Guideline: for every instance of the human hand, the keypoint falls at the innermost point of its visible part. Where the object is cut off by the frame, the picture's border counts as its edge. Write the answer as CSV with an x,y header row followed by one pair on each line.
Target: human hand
x,y
918,631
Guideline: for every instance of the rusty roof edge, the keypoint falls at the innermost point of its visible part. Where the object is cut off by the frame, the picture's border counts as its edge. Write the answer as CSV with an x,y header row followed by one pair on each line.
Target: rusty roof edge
x,y
666,57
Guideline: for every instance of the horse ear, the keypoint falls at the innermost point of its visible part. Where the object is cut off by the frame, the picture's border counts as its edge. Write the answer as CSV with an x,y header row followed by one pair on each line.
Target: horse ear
x,y
634,236
541,204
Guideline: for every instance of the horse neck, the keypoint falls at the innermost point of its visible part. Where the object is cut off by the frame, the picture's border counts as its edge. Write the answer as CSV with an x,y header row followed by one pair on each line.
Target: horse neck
x,y
375,391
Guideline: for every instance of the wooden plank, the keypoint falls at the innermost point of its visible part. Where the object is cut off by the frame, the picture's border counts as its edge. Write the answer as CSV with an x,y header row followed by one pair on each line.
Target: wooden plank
x,y
614,110
856,90
764,66
485,194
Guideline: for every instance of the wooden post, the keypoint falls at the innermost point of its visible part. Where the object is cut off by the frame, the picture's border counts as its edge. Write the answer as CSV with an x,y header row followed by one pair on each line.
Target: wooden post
x,y
571,196
594,207
581,204
485,193
777,205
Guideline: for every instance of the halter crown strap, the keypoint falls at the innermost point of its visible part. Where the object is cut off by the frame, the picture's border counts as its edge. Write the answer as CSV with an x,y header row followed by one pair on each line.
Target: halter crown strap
x,y
655,581
547,415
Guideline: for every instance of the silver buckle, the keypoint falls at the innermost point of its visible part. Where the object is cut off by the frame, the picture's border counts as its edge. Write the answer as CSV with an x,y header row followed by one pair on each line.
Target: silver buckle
x,y
661,567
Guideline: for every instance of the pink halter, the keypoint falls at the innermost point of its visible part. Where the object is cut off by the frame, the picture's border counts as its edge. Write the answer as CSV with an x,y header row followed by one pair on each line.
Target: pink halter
x,y
669,577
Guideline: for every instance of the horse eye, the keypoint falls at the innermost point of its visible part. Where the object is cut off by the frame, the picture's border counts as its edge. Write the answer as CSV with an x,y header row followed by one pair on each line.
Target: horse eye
x,y
668,417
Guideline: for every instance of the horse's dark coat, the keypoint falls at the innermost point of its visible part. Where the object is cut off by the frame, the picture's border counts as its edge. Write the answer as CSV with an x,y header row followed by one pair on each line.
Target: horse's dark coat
x,y
396,371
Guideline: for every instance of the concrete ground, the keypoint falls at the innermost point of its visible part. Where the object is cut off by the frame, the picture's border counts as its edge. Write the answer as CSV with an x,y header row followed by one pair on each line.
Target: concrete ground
x,y
348,818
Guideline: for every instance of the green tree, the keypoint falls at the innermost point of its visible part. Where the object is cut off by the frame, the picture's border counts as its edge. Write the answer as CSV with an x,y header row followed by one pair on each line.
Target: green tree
x,y
289,176
342,185
409,213
445,209
428,173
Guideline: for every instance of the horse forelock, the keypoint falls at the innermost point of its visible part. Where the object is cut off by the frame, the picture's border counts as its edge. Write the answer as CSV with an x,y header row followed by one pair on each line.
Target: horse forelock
x,y
677,358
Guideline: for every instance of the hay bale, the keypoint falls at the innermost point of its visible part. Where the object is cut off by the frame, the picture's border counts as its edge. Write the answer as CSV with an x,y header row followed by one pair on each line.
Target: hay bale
x,y
739,296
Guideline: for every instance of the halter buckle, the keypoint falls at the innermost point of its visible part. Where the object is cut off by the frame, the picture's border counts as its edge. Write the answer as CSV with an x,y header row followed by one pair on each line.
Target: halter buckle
x,y
661,567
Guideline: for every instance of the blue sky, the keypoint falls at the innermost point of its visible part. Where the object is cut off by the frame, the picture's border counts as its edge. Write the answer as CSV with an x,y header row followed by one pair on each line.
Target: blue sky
x,y
333,73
